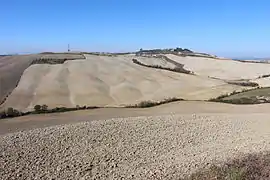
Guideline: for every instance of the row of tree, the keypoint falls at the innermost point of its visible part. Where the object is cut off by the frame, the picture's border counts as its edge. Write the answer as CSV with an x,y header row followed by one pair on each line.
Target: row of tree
x,y
41,109
155,51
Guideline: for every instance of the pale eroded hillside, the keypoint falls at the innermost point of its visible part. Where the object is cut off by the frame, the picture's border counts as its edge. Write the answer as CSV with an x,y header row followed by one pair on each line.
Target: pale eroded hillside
x,y
223,69
11,69
107,81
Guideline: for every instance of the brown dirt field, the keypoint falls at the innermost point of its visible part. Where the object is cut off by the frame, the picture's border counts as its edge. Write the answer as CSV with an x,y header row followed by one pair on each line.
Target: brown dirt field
x,y
165,142
11,70
183,107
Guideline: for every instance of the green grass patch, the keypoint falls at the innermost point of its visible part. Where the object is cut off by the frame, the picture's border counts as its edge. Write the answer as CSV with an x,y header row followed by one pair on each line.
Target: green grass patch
x,y
250,93
251,96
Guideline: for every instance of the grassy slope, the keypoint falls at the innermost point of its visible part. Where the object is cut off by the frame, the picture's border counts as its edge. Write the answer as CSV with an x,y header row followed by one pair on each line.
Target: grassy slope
x,y
252,93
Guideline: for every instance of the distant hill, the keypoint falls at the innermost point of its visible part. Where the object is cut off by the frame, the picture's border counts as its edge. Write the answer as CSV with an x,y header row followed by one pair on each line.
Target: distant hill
x,y
177,51
252,58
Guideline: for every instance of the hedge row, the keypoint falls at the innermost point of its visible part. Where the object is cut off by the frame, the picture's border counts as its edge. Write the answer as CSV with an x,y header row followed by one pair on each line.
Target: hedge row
x,y
41,109
147,104
176,69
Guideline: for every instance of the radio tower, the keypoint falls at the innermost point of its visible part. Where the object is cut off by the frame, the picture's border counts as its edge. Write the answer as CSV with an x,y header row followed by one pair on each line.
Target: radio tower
x,y
68,48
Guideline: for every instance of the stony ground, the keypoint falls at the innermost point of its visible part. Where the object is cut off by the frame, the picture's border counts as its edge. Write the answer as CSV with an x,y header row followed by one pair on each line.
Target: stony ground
x,y
161,147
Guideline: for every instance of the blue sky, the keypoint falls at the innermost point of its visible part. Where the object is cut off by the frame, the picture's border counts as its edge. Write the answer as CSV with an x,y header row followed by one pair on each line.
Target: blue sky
x,y
232,28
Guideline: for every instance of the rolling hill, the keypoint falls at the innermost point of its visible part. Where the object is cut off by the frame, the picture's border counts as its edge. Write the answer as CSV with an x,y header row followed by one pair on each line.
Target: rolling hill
x,y
116,81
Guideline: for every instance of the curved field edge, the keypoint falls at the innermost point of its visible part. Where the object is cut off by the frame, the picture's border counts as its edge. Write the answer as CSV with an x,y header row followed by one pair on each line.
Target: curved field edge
x,y
10,80
11,70
43,109
258,95
178,67
57,58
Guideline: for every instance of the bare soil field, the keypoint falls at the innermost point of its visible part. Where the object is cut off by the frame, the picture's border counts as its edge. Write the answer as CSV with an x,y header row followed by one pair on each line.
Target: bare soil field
x,y
223,69
156,62
11,70
170,141
108,82
184,107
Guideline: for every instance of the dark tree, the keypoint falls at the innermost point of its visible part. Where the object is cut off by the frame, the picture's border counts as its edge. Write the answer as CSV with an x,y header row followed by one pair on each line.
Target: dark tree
x,y
44,107
37,108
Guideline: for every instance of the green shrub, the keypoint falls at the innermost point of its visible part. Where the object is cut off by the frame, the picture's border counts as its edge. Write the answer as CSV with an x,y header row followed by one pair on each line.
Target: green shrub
x,y
37,108
147,104
10,112
247,84
243,100
44,107
2,114
265,76
178,68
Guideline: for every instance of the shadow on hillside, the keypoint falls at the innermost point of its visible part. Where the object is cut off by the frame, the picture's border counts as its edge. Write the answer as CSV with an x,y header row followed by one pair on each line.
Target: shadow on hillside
x,y
247,167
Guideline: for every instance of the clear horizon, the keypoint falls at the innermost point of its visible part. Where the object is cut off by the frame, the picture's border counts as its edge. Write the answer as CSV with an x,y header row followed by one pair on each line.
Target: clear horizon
x,y
224,28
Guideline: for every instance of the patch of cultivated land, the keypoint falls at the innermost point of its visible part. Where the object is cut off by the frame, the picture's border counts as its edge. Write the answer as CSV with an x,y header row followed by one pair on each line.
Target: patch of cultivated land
x,y
169,141
108,81
69,56
261,92
57,58
163,146
223,69
155,62
11,70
